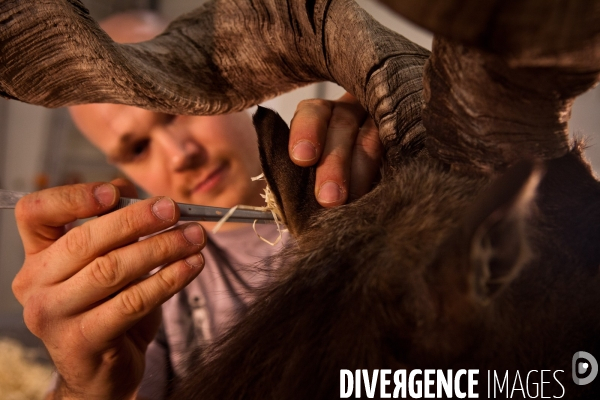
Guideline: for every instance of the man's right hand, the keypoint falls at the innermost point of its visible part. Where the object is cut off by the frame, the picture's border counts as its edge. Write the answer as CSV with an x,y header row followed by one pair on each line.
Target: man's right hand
x,y
81,290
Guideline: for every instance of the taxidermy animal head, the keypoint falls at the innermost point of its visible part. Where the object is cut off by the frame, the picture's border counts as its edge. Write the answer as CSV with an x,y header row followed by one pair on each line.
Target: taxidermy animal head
x,y
478,248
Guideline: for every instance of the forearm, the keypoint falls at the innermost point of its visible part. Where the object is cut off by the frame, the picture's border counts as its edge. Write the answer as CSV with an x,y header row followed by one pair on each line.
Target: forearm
x,y
58,396
62,392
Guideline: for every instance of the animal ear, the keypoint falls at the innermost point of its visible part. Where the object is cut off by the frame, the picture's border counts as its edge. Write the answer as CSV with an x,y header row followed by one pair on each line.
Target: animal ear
x,y
496,229
292,186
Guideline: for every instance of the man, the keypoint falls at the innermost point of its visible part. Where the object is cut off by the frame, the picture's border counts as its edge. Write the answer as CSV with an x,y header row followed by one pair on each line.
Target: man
x,y
83,292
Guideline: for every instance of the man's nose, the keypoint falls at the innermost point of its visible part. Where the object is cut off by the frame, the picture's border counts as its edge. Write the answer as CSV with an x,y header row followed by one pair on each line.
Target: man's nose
x,y
182,150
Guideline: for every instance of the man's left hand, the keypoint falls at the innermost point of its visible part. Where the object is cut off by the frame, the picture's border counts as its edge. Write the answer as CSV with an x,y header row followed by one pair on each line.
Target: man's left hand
x,y
343,141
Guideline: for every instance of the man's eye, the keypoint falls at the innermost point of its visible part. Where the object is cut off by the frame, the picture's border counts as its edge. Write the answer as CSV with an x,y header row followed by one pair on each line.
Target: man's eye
x,y
132,151
140,147
169,119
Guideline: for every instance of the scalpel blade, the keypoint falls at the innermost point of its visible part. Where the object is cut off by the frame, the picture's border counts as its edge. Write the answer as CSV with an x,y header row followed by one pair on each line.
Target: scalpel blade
x,y
188,212
9,198
192,212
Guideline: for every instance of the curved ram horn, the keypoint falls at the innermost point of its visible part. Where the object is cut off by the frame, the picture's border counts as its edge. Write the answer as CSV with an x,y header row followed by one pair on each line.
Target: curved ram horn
x,y
533,33
497,90
495,115
225,56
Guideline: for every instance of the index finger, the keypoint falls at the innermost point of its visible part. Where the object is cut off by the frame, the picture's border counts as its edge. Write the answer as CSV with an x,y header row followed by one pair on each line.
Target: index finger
x,y
98,237
41,216
308,131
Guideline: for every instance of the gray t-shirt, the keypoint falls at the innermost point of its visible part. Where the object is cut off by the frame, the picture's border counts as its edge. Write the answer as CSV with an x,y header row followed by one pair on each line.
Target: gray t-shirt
x,y
206,307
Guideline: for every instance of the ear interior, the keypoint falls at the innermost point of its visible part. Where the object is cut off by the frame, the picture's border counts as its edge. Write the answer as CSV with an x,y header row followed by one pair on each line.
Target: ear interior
x,y
496,229
292,186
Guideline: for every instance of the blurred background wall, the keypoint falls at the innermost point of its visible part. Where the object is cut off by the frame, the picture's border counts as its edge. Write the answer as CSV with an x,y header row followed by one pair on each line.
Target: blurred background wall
x,y
41,148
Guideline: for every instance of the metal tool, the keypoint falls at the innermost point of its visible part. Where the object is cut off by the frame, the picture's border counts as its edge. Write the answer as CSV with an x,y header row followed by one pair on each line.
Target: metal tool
x,y
8,198
188,212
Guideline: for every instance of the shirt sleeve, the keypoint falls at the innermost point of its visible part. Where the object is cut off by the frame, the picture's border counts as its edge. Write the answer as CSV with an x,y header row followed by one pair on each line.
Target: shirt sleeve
x,y
158,370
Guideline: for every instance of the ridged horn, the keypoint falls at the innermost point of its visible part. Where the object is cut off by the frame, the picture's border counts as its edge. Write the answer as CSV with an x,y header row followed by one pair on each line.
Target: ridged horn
x,y
225,56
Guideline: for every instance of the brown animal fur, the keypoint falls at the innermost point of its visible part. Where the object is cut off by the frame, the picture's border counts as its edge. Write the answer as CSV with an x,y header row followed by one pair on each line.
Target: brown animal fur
x,y
394,280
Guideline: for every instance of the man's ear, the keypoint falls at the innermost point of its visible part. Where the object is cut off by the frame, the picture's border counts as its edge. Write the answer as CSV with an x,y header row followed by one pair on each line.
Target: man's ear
x,y
496,229
292,186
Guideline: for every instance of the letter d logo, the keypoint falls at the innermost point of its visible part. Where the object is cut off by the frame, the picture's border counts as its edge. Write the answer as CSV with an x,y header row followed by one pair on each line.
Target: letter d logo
x,y
589,365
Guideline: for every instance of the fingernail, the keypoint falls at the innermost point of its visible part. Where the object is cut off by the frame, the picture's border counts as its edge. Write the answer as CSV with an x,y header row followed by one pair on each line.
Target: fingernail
x,y
304,151
194,234
164,209
195,261
105,194
330,192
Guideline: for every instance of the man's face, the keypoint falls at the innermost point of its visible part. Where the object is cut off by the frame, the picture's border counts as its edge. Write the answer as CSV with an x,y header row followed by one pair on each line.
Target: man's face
x,y
201,160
